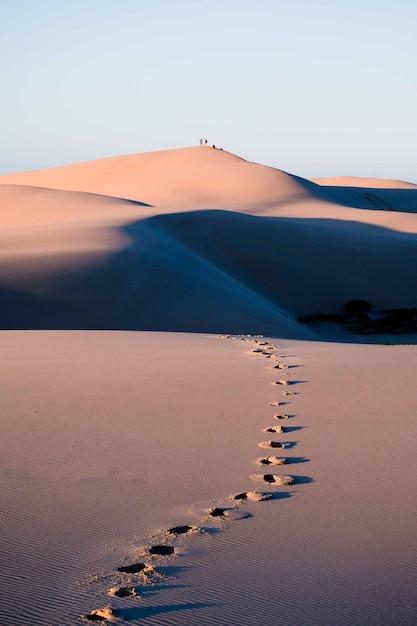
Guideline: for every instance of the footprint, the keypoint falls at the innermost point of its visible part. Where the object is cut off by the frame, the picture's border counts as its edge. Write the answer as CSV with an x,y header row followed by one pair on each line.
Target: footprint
x,y
100,615
240,496
281,416
181,530
161,550
283,382
273,444
254,496
122,592
272,460
276,403
273,429
135,568
217,512
274,479
280,366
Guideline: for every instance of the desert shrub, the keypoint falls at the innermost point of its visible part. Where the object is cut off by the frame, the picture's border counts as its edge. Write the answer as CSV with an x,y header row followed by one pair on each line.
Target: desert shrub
x,y
320,317
354,307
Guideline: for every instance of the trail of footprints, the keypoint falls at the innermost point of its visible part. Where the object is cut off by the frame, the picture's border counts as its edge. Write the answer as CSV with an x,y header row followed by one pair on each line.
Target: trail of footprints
x,y
149,569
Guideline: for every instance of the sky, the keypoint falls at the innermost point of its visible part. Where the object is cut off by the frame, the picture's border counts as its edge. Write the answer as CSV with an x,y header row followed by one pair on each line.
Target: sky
x,y
316,88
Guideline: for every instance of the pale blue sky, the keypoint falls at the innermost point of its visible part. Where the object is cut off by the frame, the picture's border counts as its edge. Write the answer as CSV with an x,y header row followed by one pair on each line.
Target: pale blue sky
x,y
314,88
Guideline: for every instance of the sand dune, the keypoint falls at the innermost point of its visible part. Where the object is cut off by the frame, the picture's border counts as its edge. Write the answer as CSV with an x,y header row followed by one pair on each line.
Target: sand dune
x,y
189,178
75,258
131,485
198,178
371,183
171,272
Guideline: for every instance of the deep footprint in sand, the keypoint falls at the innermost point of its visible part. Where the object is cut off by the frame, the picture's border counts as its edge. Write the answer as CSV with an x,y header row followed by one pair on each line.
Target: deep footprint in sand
x,y
274,479
217,512
161,550
272,460
276,403
282,382
181,530
122,592
100,615
281,416
135,568
274,429
253,496
273,444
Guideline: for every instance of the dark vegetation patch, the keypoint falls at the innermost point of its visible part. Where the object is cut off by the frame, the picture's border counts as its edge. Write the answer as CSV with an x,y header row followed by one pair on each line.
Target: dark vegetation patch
x,y
360,318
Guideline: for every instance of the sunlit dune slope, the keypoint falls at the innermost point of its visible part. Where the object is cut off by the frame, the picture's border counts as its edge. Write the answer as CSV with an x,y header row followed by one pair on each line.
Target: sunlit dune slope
x,y
206,178
358,181
27,207
181,179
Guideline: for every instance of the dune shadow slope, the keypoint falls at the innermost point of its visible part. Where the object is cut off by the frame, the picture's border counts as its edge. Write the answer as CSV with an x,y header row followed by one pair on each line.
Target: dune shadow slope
x,y
205,271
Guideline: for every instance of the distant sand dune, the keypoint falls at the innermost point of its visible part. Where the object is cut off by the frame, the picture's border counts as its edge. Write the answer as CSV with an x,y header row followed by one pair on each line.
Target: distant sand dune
x,y
189,178
356,181
203,178
227,246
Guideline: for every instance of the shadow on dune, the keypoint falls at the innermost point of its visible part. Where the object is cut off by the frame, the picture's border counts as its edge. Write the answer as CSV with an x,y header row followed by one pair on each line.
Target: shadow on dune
x,y
213,272
303,480
279,495
370,198
150,611
380,199
147,592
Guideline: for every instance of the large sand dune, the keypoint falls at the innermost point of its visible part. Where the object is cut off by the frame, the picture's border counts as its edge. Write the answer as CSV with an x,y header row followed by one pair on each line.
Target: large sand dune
x,y
277,474
144,258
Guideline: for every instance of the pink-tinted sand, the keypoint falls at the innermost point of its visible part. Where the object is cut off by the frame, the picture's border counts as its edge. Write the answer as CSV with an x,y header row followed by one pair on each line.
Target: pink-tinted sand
x,y
126,412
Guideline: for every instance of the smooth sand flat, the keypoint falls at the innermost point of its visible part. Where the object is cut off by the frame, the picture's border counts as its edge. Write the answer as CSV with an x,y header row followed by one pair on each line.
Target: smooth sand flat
x,y
117,437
